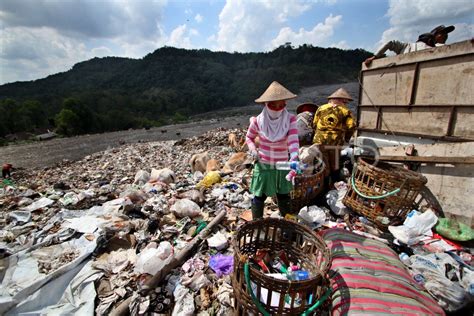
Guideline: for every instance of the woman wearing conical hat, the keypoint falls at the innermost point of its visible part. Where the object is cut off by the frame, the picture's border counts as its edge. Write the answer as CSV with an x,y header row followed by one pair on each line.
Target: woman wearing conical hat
x,y
334,124
278,135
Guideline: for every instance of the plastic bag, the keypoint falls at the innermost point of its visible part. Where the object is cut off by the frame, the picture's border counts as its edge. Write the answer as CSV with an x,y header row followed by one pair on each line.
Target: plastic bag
x,y
141,177
164,175
185,207
312,214
334,200
164,250
41,203
222,265
454,230
218,241
184,305
148,261
415,228
450,295
210,179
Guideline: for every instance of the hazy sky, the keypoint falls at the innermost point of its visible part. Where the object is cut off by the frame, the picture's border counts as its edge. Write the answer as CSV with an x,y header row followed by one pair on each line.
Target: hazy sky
x,y
40,37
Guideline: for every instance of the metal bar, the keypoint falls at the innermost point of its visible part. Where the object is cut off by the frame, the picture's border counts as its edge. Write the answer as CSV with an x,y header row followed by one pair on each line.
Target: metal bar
x,y
379,119
360,81
414,84
444,137
452,118
414,62
417,105
430,159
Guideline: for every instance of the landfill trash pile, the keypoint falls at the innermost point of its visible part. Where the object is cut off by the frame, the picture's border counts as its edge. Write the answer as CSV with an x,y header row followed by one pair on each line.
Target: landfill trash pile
x,y
95,235
101,227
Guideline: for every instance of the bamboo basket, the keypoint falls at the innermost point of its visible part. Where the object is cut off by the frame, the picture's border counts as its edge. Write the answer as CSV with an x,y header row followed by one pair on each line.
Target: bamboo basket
x,y
386,192
306,189
279,296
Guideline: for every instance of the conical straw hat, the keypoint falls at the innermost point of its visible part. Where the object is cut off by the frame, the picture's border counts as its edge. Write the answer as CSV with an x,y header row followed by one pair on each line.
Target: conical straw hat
x,y
340,94
275,92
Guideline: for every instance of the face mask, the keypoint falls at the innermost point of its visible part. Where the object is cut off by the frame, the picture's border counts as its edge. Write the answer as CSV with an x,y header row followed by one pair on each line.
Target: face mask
x,y
274,114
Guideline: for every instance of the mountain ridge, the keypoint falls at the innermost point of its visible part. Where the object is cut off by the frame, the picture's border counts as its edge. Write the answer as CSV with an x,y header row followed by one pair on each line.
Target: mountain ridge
x,y
165,86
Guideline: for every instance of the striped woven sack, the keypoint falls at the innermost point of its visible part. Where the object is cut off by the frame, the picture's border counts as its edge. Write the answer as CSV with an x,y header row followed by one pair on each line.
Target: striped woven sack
x,y
367,278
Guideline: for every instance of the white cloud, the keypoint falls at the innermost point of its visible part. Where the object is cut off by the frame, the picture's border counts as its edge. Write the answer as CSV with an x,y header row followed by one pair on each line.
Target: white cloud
x,y
198,18
101,51
341,45
408,19
179,37
318,36
41,37
193,32
246,25
30,53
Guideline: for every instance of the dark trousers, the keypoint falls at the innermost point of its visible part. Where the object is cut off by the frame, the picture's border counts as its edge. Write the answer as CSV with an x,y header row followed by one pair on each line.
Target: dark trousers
x,y
6,173
284,204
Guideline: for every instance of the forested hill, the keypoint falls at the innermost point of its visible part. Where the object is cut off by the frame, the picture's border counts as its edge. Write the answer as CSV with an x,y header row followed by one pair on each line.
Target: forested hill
x,y
111,93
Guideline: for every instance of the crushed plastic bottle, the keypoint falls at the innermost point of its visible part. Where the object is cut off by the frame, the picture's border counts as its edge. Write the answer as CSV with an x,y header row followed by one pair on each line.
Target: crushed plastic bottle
x,y
298,275
405,258
291,165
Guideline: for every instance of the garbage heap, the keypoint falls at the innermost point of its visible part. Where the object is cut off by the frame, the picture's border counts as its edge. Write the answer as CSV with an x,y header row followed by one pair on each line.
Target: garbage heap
x,y
84,236
88,236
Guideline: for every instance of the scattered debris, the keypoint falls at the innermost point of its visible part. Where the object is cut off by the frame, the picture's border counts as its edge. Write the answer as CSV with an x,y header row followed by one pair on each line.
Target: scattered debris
x,y
134,224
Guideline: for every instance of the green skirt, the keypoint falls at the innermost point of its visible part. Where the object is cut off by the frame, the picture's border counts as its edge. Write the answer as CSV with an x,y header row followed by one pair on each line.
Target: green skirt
x,y
269,181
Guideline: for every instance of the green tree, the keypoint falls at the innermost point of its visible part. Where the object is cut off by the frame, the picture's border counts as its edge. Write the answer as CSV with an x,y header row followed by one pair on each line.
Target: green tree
x,y
67,122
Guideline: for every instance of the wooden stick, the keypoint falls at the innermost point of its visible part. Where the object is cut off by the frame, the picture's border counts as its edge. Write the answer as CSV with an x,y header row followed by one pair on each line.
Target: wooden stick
x,y
177,260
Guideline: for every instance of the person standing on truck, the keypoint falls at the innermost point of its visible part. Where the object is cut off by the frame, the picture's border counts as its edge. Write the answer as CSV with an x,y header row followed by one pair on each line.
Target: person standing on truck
x,y
334,124
440,34
278,134
425,41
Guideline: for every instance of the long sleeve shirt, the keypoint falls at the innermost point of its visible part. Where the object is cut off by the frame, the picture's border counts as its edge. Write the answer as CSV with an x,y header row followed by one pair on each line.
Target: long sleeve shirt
x,y
400,48
270,152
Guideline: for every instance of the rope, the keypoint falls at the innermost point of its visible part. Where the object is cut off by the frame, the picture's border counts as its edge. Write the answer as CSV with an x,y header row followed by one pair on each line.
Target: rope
x,y
367,196
264,311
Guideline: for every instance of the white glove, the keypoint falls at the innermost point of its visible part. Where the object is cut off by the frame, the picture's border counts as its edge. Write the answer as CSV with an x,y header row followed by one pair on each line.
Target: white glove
x,y
253,153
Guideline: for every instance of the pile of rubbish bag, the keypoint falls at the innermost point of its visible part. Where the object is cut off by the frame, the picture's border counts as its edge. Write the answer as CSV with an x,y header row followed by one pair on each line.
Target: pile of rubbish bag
x,y
90,236
82,237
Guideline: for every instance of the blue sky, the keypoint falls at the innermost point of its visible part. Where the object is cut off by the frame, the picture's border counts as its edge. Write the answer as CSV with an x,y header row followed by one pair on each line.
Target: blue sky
x,y
43,37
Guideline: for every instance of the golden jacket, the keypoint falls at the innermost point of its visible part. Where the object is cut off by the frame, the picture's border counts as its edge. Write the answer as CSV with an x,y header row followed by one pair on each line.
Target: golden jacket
x,y
334,124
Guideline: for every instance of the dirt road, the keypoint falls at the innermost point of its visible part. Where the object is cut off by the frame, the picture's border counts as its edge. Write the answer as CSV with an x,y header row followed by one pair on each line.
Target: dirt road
x,y
48,153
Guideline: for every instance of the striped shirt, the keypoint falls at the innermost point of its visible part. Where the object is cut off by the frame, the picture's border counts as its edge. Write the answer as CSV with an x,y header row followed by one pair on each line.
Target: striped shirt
x,y
270,152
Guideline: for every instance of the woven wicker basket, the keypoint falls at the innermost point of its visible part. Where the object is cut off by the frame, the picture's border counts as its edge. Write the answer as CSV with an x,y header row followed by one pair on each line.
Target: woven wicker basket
x,y
306,188
383,180
301,246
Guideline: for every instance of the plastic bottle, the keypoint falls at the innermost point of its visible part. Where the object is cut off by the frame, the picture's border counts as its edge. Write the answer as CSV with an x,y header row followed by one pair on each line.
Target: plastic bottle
x,y
290,165
405,258
298,275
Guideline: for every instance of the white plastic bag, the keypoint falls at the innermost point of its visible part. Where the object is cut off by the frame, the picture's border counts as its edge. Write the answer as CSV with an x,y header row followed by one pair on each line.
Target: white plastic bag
x,y
185,207
184,302
141,177
148,261
165,175
334,200
312,214
218,241
164,250
450,295
416,227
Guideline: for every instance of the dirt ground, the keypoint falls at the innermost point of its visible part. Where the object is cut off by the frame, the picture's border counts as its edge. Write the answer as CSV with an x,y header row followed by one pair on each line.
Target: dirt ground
x,y
48,153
